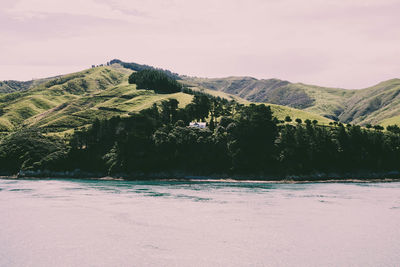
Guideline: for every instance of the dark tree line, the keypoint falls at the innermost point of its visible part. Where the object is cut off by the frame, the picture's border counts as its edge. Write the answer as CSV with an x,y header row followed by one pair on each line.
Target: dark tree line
x,y
140,67
246,140
29,149
155,80
239,140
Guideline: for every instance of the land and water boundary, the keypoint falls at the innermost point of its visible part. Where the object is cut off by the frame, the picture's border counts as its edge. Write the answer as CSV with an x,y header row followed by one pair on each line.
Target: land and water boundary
x,y
393,176
204,137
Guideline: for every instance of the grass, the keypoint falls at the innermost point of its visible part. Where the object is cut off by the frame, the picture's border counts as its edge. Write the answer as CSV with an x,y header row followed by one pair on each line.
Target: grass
x,y
314,99
71,101
38,106
376,105
77,99
391,121
327,101
279,111
5,125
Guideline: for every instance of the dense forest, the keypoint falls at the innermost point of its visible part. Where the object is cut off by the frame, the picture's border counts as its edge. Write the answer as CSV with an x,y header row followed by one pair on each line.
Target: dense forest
x,y
155,80
139,67
240,140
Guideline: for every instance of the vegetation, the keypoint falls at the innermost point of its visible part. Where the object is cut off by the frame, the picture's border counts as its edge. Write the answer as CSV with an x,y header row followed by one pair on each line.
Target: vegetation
x,y
247,140
76,100
30,149
13,86
280,112
155,80
244,140
112,121
140,67
18,86
375,105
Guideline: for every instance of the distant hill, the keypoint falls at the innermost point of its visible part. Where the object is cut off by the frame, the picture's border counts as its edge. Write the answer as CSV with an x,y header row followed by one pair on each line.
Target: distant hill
x,y
279,111
376,105
66,102
17,86
13,86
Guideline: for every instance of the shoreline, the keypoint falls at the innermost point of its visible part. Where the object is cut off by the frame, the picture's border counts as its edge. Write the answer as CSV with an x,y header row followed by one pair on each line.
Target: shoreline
x,y
386,177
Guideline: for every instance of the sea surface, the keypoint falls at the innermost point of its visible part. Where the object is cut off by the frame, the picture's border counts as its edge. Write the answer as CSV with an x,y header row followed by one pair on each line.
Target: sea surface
x,y
201,223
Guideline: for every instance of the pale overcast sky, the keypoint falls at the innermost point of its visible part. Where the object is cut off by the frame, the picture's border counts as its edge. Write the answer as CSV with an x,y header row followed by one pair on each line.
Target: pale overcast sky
x,y
338,43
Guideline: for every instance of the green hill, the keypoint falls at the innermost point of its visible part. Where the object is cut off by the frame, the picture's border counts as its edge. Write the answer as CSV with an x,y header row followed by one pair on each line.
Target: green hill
x,y
18,86
375,105
324,101
66,102
279,111
77,99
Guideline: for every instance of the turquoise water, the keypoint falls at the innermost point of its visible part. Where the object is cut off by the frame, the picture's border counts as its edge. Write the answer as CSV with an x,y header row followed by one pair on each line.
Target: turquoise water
x,y
119,223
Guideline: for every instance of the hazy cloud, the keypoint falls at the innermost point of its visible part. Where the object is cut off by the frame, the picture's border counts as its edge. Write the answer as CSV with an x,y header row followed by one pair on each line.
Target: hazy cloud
x,y
329,42
26,9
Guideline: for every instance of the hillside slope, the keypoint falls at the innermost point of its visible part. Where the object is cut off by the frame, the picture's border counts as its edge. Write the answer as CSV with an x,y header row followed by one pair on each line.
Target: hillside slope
x,y
279,111
74,100
375,105
18,86
327,102
77,99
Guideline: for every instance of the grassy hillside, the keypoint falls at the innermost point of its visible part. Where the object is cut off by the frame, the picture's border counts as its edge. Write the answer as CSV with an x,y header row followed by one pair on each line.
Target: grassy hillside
x,y
271,91
66,102
77,99
14,86
69,101
279,111
327,102
376,105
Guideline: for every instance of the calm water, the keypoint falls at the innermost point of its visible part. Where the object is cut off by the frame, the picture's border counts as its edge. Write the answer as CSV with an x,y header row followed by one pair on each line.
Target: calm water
x,y
118,223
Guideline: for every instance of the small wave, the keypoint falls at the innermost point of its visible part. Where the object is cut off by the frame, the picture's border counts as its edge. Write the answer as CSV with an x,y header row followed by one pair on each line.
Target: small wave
x,y
20,190
74,188
157,194
313,196
325,201
194,198
107,189
141,189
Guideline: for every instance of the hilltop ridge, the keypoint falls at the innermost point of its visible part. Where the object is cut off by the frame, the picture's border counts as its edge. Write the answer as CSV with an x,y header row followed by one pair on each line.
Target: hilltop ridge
x,y
373,105
76,99
73,100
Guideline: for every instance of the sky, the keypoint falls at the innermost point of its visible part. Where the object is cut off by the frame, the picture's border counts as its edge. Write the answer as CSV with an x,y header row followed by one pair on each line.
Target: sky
x,y
337,43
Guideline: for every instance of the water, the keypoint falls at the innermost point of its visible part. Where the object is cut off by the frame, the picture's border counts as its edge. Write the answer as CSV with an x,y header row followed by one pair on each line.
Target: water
x,y
118,223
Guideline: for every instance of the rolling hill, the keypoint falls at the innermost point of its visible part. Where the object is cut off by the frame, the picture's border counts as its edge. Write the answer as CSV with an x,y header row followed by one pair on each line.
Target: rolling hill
x,y
18,86
375,105
69,101
66,102
74,100
279,111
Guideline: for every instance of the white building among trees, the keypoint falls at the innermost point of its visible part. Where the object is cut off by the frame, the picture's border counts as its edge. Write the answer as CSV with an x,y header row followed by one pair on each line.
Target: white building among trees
x,y
201,125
